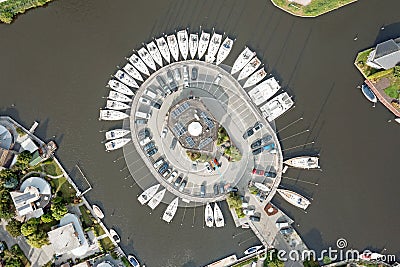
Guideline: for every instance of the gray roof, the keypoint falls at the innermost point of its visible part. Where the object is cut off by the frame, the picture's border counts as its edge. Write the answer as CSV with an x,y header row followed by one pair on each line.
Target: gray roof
x,y
387,54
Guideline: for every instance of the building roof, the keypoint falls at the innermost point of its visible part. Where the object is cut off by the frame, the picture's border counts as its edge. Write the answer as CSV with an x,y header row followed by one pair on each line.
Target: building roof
x,y
24,200
41,184
29,145
84,246
6,157
6,139
64,239
386,55
83,264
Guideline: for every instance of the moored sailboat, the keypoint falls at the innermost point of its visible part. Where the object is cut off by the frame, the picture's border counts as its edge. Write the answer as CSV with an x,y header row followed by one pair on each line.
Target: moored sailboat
x,y
294,198
171,210
114,95
116,105
255,78
139,64
155,53
213,47
148,194
224,50
183,43
173,46
119,87
242,60
112,115
116,133
126,79
132,72
203,44
116,144
218,216
156,199
249,68
147,58
163,48
303,162
193,44
209,215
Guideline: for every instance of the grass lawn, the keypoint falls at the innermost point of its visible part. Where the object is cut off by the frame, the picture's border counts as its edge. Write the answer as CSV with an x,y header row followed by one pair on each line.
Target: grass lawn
x,y
86,217
50,167
98,229
66,189
106,244
314,9
9,9
393,91
361,60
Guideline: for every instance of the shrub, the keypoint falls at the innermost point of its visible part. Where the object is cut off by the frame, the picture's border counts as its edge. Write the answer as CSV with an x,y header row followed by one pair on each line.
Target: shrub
x,y
14,228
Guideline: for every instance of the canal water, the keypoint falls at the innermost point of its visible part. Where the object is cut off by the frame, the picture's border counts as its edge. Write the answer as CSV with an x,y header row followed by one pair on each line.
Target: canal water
x,y
55,62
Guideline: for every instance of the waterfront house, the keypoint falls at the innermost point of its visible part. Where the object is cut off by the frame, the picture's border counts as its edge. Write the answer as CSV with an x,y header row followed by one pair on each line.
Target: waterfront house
x,y
386,55
7,152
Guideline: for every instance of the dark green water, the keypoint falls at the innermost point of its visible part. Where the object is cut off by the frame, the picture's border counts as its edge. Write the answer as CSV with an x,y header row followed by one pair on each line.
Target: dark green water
x,y
56,60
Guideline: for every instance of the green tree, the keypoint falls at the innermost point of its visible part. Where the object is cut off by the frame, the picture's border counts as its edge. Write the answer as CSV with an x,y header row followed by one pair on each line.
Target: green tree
x,y
30,226
14,228
38,239
233,153
13,262
23,160
46,218
272,259
6,206
6,174
310,262
58,210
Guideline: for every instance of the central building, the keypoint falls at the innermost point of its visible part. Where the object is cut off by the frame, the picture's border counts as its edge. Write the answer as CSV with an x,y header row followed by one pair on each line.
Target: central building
x,y
193,125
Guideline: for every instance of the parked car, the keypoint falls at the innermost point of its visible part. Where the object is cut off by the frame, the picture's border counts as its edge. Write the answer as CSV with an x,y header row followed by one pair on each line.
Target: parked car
x,y
140,121
166,173
152,152
144,100
270,174
209,168
173,143
156,105
254,218
221,188
185,76
216,189
158,163
248,211
281,225
178,181
149,145
258,172
286,231
163,168
195,72
170,76
164,132
248,133
183,184
173,176
258,126
143,133
261,141
202,190
217,79
177,74
145,141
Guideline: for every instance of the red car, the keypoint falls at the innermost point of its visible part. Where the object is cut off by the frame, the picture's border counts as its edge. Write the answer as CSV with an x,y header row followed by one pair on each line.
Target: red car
x,y
258,172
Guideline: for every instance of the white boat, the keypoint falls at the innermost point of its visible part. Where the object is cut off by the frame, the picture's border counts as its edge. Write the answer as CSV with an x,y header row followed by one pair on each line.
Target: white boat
x,y
156,199
139,64
209,216
249,68
277,106
397,120
255,78
133,261
203,44
112,115
147,58
242,60
115,236
116,133
183,43
294,198
368,255
173,46
126,79
132,72
224,50
368,93
303,162
171,210
252,250
264,91
97,211
164,50
155,53
193,44
213,48
114,95
148,194
116,105
262,187
119,87
116,144
218,216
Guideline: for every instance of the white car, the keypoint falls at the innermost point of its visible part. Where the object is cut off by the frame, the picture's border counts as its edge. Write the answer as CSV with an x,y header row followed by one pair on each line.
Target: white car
x,y
145,141
145,100
209,168
218,79
158,163
164,132
166,173
248,212
172,177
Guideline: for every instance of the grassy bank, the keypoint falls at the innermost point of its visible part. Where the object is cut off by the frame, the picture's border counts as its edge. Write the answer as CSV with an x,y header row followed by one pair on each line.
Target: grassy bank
x,y
314,9
10,8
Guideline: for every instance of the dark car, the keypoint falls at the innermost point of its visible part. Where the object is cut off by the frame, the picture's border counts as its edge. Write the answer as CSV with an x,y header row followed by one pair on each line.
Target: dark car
x,y
140,121
163,168
216,189
178,181
258,126
173,143
254,218
286,231
257,151
152,152
195,73
161,81
248,133
261,141
202,190
270,174
170,76
149,146
143,134
156,105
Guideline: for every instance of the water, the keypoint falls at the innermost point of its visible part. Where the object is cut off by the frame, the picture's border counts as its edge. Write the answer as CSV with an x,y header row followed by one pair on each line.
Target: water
x,y
56,61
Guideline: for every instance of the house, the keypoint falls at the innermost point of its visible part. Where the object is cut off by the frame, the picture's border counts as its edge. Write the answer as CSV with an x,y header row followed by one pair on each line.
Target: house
x,y
7,154
69,237
33,195
386,55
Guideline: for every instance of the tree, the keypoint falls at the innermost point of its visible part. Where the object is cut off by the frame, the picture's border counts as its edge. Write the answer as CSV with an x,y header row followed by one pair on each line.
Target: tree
x,y
233,153
27,229
6,174
310,262
272,259
6,207
46,218
13,262
38,239
14,228
58,210
23,160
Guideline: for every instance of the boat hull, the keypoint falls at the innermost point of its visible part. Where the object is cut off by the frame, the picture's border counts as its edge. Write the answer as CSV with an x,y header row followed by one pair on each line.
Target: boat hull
x,y
295,199
303,162
116,144
98,212
148,194
116,133
171,210
224,50
218,216
209,216
367,92
156,199
203,44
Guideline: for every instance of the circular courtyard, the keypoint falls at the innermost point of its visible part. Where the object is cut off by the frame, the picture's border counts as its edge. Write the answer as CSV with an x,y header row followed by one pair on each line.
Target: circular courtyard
x,y
195,114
